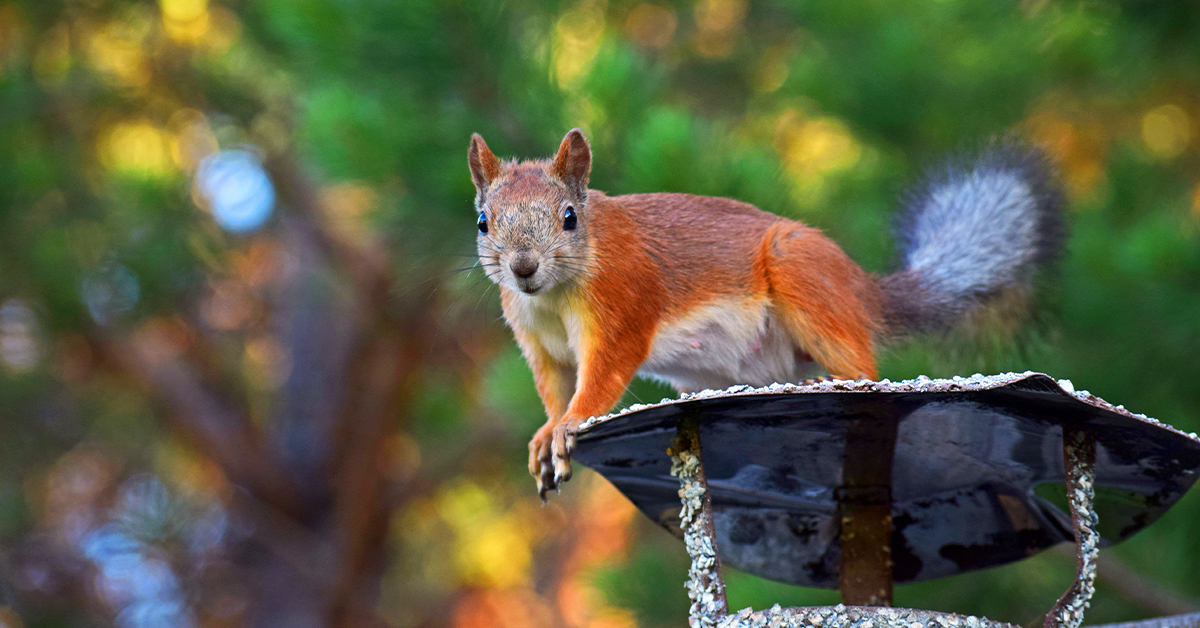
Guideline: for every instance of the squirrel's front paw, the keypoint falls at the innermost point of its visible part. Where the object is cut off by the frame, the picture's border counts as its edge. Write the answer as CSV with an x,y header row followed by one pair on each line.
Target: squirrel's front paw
x,y
541,467
562,446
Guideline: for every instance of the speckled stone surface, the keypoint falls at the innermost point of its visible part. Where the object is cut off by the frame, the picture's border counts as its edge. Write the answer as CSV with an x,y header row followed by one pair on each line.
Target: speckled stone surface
x,y
705,586
853,617
1080,452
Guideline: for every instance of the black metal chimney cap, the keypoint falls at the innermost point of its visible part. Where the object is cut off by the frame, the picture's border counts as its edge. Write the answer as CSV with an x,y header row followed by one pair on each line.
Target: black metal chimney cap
x,y
977,478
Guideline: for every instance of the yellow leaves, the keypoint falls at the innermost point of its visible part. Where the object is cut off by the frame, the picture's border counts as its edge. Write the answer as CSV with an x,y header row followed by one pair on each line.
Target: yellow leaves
x,y
224,30
183,11
137,148
143,149
185,21
498,555
1166,131
195,23
118,50
813,149
492,547
483,536
577,37
585,113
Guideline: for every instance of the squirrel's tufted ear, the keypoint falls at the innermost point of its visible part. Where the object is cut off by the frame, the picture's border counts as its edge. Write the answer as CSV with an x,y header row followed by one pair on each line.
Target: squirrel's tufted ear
x,y
573,163
484,165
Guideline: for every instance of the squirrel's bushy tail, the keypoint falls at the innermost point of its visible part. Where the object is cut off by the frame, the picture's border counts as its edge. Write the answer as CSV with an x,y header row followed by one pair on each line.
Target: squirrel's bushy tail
x,y
973,239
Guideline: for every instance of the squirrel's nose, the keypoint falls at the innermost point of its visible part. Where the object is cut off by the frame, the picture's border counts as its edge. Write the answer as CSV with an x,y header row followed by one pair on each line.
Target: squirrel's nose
x,y
524,266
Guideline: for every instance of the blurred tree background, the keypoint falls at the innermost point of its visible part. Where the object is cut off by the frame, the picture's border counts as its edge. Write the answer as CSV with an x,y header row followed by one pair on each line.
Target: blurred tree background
x,y
246,380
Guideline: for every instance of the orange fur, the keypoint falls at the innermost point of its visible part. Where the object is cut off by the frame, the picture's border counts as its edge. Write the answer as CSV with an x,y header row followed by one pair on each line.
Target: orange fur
x,y
640,264
827,300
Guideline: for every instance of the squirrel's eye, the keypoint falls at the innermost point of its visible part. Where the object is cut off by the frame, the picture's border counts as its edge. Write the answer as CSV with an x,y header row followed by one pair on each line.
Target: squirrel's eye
x,y
482,222
569,219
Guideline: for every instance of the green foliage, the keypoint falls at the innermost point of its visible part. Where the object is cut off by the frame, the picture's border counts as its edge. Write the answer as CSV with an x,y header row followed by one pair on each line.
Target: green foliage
x,y
820,111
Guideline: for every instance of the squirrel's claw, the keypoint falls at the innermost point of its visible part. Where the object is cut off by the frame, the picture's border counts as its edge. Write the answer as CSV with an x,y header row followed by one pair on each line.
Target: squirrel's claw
x,y
562,470
540,464
562,445
550,456
546,481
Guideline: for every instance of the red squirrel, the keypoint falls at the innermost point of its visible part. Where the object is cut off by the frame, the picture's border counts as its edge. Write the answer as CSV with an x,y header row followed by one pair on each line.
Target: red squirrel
x,y
706,292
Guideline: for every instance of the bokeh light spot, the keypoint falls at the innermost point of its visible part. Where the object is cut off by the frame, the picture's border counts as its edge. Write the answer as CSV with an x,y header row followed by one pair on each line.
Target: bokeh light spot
x,y
718,22
137,148
193,138
496,554
267,364
10,619
493,545
183,10
650,26
109,293
813,149
20,348
577,37
146,508
161,339
190,33
228,306
224,30
772,70
1078,146
348,205
236,189
117,50
1166,131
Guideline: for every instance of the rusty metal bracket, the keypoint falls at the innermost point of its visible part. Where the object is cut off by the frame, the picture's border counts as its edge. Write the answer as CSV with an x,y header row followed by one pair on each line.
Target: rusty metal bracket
x,y
865,511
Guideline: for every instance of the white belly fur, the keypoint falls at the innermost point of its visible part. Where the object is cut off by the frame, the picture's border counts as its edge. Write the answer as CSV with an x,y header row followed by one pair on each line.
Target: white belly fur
x,y
726,343
716,345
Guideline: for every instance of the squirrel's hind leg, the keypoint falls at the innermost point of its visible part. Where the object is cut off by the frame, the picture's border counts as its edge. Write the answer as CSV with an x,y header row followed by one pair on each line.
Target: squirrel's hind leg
x,y
824,300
